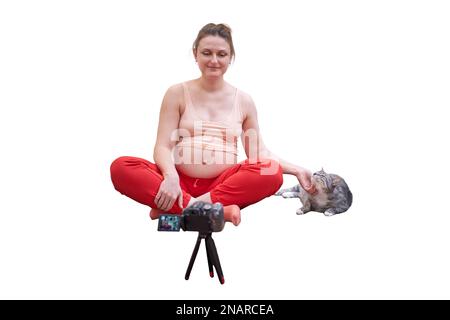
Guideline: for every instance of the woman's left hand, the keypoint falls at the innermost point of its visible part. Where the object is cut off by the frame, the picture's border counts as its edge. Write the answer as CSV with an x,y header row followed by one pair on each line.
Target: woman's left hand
x,y
304,177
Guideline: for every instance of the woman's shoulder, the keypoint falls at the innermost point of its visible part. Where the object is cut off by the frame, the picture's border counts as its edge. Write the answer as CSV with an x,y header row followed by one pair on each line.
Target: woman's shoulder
x,y
175,93
173,98
245,97
175,89
245,101
178,89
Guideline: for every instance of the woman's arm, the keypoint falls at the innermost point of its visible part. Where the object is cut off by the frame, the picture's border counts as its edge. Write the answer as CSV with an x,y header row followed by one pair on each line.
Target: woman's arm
x,y
256,149
169,117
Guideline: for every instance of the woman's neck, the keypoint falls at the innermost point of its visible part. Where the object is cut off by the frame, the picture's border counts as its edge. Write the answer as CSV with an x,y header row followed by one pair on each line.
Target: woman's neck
x,y
211,85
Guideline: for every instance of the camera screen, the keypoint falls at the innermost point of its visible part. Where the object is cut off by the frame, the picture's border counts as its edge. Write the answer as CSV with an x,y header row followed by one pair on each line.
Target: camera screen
x,y
169,222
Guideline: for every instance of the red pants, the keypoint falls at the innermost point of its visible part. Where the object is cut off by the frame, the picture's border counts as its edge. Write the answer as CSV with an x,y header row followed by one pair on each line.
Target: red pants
x,y
243,184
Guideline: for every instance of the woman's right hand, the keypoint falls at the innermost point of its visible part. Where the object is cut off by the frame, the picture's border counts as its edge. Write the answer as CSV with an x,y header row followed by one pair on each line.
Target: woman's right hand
x,y
169,191
304,178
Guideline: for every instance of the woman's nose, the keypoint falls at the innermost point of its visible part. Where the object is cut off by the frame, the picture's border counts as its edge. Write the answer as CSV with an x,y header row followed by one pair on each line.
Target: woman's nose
x,y
214,58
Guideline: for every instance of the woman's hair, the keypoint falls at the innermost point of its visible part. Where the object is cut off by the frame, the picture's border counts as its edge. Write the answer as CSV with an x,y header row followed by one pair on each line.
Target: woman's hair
x,y
212,29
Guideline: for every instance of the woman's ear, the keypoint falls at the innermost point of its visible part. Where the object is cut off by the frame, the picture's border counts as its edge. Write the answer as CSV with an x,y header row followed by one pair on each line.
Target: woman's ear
x,y
194,52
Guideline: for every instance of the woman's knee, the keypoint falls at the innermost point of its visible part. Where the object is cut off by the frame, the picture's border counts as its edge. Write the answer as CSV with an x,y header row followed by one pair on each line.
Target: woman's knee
x,y
117,169
117,165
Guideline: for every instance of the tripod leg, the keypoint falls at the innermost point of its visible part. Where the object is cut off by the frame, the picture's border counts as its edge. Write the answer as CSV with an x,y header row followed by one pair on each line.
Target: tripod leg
x,y
211,247
194,255
210,264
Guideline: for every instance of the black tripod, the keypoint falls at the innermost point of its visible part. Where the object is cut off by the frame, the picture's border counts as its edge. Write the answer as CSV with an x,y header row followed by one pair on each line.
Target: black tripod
x,y
211,253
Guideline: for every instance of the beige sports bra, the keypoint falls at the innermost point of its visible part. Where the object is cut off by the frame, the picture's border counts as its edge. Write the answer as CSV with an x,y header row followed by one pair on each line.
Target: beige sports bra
x,y
218,136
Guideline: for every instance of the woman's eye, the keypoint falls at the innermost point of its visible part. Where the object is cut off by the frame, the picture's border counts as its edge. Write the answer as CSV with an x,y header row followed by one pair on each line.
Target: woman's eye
x,y
206,53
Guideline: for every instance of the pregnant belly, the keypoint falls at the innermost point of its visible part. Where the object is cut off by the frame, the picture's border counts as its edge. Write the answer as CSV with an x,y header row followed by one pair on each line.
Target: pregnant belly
x,y
202,170
198,163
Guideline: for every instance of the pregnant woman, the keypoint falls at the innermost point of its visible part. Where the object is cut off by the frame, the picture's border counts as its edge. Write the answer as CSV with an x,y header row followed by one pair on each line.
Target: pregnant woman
x,y
195,155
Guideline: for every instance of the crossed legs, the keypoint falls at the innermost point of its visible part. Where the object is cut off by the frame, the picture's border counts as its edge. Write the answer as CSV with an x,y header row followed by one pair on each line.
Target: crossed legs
x,y
239,186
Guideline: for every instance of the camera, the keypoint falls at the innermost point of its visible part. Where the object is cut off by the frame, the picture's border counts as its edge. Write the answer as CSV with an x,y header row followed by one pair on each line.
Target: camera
x,y
201,216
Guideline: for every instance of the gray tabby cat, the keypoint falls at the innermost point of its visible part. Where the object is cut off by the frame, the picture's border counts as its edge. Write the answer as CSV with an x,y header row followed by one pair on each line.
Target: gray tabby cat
x,y
333,195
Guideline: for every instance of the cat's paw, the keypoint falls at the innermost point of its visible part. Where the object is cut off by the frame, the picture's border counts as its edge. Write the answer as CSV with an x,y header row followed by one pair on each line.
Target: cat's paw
x,y
300,211
289,194
329,213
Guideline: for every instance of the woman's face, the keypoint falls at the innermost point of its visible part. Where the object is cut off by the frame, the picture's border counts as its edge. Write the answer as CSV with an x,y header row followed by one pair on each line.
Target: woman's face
x,y
213,56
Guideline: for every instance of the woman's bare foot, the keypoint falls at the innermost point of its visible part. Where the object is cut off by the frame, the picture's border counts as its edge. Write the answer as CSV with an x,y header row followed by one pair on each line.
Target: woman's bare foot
x,y
154,213
232,213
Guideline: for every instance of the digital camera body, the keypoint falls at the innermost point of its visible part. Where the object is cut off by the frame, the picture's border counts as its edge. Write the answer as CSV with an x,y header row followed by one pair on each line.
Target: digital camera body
x,y
201,216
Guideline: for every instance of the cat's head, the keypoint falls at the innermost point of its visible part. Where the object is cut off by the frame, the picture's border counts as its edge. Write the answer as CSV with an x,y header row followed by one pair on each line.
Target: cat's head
x,y
326,182
323,181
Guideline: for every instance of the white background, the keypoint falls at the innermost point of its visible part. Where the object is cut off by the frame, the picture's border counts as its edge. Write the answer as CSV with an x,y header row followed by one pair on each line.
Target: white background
x,y
358,87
